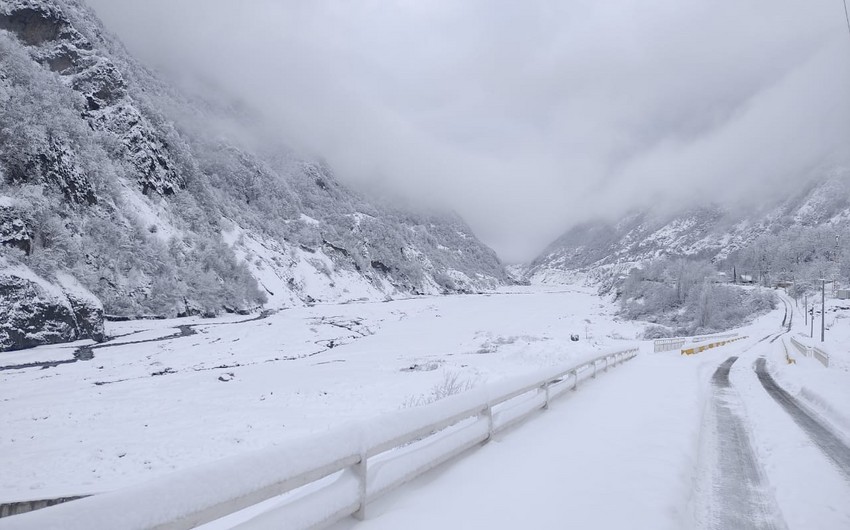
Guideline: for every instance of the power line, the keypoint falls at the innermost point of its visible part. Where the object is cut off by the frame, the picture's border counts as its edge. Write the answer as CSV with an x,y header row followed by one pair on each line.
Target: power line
x,y
846,16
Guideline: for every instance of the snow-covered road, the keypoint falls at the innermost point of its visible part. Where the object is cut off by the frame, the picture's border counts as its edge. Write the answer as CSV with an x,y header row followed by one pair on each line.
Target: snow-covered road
x,y
663,442
830,443
735,492
608,456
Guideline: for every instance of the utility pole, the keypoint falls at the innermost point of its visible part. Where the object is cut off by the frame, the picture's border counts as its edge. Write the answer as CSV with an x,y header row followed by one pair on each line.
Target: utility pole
x,y
822,309
794,286
812,322
837,266
806,308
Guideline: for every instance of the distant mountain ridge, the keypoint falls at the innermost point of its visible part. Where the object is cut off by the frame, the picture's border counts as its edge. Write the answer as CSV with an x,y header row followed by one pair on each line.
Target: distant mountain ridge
x,y
709,232
113,176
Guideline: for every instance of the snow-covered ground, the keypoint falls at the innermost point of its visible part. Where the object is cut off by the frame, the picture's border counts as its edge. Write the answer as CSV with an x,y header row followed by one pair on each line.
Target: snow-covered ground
x,y
651,445
663,441
141,410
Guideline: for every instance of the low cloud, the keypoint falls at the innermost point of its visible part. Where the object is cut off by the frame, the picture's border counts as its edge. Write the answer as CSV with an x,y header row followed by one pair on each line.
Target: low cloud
x,y
527,116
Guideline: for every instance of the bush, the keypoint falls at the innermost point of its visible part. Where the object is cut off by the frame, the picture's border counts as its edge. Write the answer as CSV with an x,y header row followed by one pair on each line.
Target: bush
x,y
683,298
451,384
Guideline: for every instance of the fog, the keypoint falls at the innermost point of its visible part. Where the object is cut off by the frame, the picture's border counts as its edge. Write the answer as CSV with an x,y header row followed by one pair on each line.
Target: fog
x,y
526,117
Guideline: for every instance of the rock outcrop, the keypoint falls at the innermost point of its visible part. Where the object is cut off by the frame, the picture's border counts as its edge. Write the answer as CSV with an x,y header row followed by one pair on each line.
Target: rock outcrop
x,y
57,44
36,311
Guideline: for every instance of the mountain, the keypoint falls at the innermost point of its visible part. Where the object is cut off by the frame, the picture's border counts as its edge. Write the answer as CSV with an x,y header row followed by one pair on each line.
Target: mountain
x,y
158,203
712,232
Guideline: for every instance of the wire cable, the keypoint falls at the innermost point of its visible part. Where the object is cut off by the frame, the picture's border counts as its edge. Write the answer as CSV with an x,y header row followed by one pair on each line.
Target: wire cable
x,y
846,16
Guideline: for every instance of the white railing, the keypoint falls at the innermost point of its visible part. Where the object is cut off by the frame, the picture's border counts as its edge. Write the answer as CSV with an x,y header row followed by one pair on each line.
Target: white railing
x,y
821,356
326,478
811,352
675,343
714,337
662,345
802,348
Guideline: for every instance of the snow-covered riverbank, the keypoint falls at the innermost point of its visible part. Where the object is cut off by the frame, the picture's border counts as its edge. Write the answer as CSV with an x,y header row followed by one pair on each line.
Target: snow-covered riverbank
x,y
140,410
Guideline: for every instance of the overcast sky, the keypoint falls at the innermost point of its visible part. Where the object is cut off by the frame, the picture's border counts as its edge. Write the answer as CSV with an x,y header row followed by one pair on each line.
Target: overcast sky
x,y
527,116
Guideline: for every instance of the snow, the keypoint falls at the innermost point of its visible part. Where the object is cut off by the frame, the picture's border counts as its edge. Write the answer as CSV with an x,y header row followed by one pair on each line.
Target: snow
x,y
629,449
291,276
598,459
309,220
358,218
809,491
75,289
108,423
203,487
825,390
147,213
22,271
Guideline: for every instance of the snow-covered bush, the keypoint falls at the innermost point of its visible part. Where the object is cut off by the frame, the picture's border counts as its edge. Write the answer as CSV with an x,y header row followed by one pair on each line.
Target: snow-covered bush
x,y
798,255
451,384
685,297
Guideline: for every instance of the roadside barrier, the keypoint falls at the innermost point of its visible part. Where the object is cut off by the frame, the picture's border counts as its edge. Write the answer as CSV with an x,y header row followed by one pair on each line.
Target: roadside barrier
x,y
16,508
714,337
668,344
709,346
812,352
675,343
326,477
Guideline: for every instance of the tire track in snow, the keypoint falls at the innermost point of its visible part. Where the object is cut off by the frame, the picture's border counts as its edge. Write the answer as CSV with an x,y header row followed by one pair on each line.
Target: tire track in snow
x,y
738,495
827,441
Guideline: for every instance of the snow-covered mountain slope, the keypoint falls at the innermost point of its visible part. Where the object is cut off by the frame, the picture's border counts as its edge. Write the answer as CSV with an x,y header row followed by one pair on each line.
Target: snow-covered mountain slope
x,y
709,232
150,199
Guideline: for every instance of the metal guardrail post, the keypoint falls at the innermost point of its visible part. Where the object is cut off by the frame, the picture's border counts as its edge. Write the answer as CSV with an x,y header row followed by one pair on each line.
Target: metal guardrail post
x,y
361,470
821,356
488,412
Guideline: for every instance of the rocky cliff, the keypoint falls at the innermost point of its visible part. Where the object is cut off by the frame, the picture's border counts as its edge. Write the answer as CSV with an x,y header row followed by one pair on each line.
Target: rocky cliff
x,y
112,176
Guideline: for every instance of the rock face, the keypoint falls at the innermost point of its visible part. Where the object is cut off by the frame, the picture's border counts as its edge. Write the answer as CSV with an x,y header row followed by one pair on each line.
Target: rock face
x,y
14,232
37,312
56,44
162,204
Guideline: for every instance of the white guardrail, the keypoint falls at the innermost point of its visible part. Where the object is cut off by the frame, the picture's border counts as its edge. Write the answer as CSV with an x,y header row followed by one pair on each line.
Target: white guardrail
x,y
676,343
811,351
714,337
662,345
700,347
322,479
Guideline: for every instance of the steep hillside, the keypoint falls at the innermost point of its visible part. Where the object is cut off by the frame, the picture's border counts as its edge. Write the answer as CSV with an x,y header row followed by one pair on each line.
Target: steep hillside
x,y
711,233
144,195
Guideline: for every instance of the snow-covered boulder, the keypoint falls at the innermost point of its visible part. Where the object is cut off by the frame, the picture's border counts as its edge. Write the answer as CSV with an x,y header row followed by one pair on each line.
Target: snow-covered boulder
x,y
36,311
88,311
